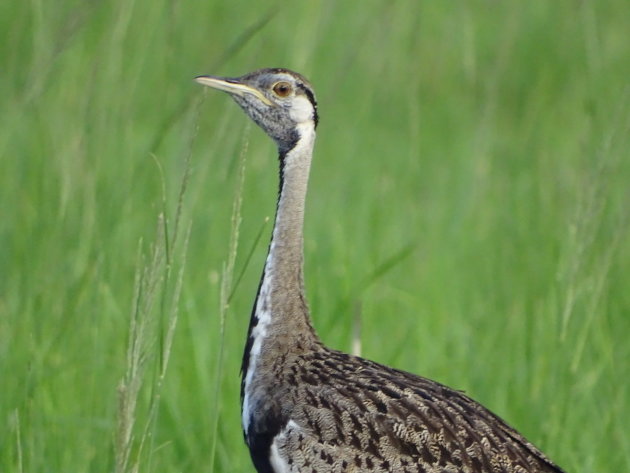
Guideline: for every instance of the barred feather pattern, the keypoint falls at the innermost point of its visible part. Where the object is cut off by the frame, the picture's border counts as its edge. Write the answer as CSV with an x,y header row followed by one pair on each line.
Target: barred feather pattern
x,y
341,413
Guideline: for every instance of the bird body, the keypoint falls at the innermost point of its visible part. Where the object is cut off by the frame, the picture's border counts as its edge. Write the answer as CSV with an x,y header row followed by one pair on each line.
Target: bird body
x,y
308,408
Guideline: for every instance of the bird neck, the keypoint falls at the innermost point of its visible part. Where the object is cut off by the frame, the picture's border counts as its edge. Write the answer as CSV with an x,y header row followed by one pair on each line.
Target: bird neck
x,y
282,285
280,323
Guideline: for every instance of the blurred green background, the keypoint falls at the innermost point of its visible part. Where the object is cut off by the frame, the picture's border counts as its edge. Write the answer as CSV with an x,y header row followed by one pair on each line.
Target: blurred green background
x,y
469,204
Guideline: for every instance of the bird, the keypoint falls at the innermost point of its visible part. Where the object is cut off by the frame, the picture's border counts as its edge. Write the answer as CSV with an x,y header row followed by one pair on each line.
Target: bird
x,y
308,408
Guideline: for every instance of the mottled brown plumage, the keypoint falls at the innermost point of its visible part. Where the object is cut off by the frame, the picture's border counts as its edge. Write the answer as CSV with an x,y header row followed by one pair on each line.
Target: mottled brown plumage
x,y
357,415
307,408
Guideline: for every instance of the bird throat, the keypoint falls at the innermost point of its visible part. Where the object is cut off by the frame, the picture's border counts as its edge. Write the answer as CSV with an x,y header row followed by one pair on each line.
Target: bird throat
x,y
280,323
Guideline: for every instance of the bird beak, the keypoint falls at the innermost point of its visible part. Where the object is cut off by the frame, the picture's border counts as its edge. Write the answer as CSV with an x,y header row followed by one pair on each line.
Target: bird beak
x,y
232,86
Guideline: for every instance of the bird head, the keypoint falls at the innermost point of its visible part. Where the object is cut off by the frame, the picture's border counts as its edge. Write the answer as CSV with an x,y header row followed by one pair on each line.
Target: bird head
x,y
280,101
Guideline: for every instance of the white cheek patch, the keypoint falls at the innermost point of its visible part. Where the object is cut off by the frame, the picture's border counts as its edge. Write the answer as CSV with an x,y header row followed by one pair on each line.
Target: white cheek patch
x,y
301,109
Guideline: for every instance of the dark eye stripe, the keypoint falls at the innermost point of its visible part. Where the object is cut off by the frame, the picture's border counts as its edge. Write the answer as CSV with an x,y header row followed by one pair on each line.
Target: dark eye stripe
x,y
311,98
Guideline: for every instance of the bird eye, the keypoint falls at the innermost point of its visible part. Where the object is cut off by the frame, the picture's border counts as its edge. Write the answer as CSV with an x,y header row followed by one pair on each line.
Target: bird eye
x,y
282,89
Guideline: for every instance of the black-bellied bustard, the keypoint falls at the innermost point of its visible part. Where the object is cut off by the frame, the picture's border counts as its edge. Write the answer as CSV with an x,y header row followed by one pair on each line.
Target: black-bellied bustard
x,y
307,408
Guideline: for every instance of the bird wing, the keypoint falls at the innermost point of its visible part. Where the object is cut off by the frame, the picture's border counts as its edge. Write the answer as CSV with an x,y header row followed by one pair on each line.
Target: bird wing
x,y
357,414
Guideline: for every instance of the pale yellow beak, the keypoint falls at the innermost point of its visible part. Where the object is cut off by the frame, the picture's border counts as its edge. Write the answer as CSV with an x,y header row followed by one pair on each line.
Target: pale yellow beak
x,y
232,86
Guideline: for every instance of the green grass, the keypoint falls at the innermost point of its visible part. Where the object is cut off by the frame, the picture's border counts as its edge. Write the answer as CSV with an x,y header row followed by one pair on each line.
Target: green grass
x,y
469,200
